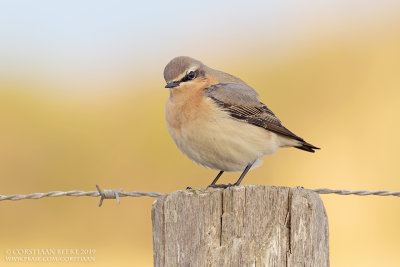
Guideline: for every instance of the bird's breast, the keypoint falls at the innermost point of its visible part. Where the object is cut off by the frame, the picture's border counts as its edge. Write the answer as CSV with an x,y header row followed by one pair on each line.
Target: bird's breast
x,y
181,111
187,105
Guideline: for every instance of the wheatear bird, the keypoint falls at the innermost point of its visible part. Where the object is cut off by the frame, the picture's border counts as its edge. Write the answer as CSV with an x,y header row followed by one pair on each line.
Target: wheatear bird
x,y
217,120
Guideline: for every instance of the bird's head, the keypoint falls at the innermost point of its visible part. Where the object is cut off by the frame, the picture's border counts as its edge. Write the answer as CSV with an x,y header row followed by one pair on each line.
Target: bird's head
x,y
183,70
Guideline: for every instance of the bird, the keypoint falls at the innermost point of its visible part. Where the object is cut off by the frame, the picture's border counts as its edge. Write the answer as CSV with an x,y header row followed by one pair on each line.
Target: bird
x,y
217,120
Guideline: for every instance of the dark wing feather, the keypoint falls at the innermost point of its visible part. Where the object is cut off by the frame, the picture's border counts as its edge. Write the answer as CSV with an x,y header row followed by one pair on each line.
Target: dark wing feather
x,y
241,102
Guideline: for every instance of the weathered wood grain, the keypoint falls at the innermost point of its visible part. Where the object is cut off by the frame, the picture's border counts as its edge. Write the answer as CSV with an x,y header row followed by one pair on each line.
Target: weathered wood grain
x,y
248,225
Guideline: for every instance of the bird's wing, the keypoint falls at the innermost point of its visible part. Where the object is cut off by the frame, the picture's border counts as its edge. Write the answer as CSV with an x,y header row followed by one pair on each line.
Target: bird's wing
x,y
241,102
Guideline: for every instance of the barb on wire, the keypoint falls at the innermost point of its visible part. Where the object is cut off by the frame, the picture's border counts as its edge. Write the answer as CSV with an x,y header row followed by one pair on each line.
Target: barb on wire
x,y
114,194
107,194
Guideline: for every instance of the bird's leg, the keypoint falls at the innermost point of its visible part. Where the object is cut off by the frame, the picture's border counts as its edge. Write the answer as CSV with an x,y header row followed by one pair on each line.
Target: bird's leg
x,y
216,178
246,170
243,174
213,182
213,185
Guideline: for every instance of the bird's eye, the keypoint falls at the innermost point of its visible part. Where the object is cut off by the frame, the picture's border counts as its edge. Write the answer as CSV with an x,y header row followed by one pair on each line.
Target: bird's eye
x,y
191,75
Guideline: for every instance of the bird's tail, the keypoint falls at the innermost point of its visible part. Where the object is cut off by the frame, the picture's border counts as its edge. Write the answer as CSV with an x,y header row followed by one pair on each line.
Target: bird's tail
x,y
306,147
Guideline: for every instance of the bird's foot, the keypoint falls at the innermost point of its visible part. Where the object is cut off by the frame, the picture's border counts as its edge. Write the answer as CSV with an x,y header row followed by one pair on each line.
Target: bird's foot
x,y
220,186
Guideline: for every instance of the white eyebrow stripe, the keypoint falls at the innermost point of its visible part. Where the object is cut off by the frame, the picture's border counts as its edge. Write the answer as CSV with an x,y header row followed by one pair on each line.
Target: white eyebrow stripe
x,y
180,77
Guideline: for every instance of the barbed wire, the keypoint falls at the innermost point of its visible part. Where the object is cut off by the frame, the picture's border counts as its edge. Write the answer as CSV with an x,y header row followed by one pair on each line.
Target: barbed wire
x,y
114,194
357,192
104,194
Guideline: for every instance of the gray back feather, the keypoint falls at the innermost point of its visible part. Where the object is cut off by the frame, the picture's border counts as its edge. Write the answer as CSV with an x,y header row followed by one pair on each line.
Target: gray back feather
x,y
232,93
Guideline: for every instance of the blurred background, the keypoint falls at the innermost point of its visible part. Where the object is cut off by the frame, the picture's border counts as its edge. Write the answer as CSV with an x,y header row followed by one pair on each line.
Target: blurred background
x,y
82,103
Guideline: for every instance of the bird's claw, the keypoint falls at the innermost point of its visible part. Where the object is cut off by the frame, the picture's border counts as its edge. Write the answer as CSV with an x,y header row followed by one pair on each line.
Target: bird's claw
x,y
224,186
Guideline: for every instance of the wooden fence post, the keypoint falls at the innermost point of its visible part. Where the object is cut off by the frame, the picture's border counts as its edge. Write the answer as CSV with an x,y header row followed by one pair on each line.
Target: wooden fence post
x,y
249,225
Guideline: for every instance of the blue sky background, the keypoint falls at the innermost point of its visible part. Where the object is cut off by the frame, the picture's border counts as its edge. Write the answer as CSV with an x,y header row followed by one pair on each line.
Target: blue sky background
x,y
91,42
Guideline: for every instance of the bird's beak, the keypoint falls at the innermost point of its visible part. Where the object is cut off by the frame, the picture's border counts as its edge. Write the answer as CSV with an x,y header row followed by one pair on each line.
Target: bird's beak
x,y
172,84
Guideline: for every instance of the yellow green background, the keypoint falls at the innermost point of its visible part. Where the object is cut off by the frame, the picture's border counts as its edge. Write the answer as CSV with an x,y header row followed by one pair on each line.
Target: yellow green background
x,y
82,103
